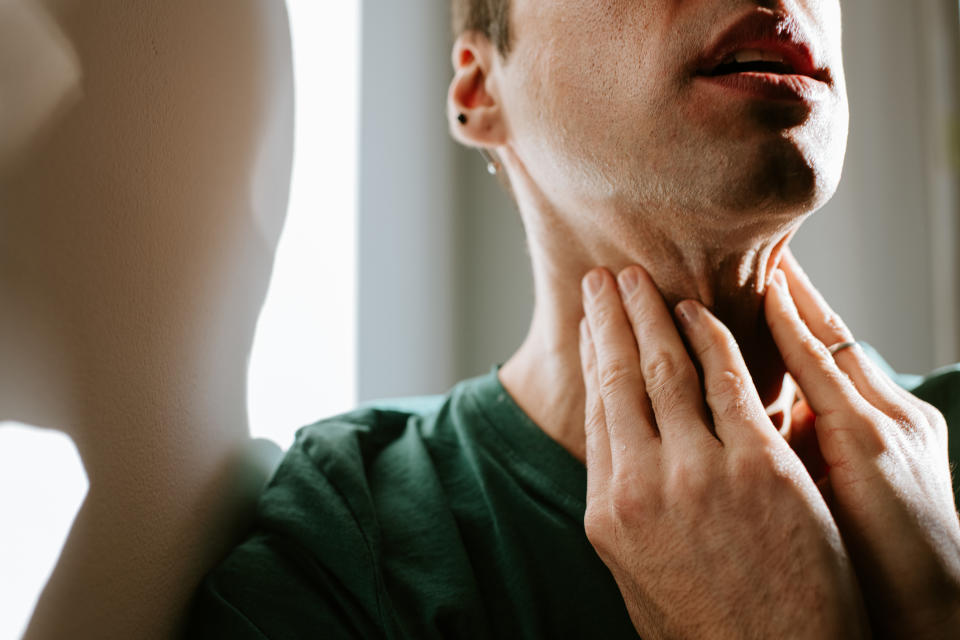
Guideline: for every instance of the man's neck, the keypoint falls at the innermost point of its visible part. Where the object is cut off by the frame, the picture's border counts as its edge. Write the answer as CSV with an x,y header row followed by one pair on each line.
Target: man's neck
x,y
727,272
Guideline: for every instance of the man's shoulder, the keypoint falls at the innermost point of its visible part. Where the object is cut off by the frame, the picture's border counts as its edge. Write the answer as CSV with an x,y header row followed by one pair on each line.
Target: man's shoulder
x,y
315,549
337,459
363,433
412,405
347,468
942,389
347,435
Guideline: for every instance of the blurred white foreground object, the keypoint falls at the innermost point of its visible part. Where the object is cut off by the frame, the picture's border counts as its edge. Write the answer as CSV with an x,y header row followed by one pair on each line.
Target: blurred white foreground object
x,y
39,73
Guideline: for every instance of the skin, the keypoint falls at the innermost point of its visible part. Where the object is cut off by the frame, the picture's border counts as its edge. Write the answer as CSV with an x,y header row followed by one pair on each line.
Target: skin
x,y
888,479
617,156
675,473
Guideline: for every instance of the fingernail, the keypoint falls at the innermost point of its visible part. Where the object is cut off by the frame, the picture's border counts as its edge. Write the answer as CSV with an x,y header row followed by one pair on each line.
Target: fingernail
x,y
628,280
687,312
593,283
780,278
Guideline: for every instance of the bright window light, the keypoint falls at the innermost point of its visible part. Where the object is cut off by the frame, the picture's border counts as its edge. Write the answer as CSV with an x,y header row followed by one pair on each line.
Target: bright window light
x,y
42,485
304,357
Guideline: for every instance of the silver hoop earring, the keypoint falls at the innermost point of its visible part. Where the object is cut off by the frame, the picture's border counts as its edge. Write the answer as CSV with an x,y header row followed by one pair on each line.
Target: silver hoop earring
x,y
493,167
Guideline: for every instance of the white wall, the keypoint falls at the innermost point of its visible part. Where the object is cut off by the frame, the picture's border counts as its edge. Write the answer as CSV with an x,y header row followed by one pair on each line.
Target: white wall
x,y
406,279
875,248
495,298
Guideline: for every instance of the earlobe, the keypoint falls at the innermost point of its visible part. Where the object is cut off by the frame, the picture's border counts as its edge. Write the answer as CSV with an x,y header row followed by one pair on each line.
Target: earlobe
x,y
473,105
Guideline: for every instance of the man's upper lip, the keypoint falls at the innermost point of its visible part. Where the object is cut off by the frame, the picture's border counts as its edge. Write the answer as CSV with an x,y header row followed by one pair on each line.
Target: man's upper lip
x,y
764,31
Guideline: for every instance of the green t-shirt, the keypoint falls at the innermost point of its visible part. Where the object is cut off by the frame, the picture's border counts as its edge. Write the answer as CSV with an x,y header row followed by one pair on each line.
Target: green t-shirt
x,y
457,518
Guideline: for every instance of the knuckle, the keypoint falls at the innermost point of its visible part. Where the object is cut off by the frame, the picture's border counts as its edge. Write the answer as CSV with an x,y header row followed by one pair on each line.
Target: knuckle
x,y
596,524
627,502
910,419
600,531
594,424
602,314
728,392
617,375
666,401
662,370
939,424
934,418
837,327
814,347
809,349
625,506
931,428
815,356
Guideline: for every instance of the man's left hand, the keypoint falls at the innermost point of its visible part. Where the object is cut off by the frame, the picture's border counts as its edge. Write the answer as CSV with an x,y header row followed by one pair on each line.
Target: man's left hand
x,y
888,481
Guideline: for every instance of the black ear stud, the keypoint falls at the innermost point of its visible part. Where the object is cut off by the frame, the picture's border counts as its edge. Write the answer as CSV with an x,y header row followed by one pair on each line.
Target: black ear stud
x,y
462,118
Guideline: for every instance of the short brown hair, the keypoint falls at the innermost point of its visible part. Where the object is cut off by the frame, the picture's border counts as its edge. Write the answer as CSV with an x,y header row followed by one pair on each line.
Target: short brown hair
x,y
489,17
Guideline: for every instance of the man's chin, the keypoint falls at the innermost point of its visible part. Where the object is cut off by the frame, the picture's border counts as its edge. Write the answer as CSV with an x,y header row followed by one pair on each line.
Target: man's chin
x,y
783,181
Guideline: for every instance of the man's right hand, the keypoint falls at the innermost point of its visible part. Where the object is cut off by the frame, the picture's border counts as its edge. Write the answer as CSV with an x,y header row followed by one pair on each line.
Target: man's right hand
x,y
706,518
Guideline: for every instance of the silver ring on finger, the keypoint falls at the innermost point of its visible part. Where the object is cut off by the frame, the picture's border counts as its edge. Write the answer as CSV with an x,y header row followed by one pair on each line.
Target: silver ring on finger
x,y
840,346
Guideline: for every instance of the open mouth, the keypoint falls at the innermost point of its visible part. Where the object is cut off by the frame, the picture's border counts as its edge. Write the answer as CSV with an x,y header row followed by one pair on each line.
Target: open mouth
x,y
765,55
778,71
752,61
777,58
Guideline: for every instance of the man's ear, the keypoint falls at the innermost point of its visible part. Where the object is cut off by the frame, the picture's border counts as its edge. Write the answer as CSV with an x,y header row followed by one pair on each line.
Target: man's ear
x,y
473,102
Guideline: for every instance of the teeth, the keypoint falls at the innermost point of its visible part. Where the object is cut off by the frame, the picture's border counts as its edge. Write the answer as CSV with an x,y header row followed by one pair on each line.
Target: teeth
x,y
753,55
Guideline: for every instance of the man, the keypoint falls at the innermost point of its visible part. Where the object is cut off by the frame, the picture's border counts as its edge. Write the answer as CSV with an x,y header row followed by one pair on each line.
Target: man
x,y
591,487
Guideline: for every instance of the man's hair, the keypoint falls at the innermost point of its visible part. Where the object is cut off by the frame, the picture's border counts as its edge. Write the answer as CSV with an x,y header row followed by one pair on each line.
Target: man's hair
x,y
489,17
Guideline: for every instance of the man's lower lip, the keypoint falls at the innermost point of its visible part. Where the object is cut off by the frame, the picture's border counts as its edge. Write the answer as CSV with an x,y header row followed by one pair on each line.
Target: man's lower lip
x,y
771,86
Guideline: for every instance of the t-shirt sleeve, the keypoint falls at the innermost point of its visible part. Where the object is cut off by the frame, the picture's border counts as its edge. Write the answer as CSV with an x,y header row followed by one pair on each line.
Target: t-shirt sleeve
x,y
259,593
309,567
